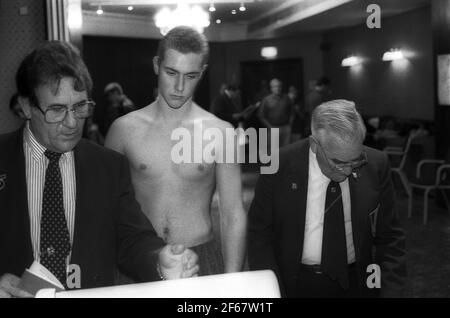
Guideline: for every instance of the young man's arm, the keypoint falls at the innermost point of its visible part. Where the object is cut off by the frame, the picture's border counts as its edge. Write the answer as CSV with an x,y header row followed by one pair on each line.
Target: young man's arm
x,y
233,218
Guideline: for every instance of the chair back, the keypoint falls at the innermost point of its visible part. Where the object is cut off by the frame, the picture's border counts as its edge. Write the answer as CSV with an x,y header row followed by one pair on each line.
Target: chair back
x,y
406,150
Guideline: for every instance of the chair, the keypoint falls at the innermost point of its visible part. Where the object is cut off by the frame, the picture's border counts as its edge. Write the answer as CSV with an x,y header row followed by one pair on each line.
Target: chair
x,y
438,179
401,153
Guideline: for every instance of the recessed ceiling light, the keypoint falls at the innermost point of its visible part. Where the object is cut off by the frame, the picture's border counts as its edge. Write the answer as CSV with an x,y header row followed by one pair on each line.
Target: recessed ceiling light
x,y
130,8
218,21
212,8
99,10
233,11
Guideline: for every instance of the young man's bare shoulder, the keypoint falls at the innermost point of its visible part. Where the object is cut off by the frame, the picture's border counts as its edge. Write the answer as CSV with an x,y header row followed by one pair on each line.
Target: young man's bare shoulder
x,y
209,120
136,119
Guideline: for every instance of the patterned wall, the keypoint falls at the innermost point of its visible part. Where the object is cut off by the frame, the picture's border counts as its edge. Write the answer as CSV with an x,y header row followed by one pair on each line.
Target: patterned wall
x,y
19,34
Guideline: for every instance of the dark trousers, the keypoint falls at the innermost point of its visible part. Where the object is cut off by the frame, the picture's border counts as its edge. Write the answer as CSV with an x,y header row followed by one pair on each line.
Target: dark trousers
x,y
311,283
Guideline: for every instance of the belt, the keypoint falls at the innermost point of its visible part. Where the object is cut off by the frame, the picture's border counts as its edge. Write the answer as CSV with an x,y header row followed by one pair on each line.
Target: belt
x,y
317,269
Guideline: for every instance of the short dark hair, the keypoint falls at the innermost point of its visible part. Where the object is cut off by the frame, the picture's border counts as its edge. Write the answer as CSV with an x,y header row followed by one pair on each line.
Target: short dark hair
x,y
113,88
185,40
47,65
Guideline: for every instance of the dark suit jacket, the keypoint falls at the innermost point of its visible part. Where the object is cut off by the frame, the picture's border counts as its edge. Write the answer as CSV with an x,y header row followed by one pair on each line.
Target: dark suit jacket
x,y
277,221
110,228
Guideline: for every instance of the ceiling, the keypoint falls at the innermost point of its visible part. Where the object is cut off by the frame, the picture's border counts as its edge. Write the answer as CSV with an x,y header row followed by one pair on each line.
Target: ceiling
x,y
275,17
223,9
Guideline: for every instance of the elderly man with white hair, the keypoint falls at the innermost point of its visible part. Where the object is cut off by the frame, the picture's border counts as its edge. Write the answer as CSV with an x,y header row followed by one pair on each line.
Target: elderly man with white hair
x,y
325,223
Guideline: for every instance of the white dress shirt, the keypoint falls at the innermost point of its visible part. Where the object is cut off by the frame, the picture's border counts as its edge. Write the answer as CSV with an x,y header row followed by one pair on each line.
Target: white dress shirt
x,y
36,165
315,206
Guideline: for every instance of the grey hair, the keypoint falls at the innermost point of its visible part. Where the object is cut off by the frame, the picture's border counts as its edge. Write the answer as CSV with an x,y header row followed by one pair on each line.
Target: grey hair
x,y
274,81
340,118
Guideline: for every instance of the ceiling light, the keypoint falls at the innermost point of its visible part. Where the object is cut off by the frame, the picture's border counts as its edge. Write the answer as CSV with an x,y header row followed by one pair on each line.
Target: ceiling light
x,y
392,55
99,10
269,52
350,61
130,8
242,7
233,11
194,16
218,21
211,7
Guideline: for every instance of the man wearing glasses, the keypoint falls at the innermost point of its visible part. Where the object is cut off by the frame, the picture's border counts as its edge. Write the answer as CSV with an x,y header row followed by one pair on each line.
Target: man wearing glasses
x,y
65,201
325,222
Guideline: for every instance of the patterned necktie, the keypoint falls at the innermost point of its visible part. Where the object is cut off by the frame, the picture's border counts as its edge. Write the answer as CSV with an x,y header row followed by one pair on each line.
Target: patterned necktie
x,y
334,247
55,240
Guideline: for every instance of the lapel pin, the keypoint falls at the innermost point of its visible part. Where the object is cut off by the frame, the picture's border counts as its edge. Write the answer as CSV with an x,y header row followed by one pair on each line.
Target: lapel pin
x,y
2,181
294,186
355,175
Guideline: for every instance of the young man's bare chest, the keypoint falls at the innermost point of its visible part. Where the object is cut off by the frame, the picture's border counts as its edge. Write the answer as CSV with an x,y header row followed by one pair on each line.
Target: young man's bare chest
x,y
150,153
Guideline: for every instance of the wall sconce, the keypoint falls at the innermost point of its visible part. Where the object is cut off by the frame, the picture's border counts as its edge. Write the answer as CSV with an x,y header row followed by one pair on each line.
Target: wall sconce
x,y
269,52
392,55
351,61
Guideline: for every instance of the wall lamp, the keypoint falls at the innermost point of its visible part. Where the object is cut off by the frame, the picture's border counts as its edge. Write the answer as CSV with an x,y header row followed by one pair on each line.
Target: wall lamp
x,y
393,54
351,61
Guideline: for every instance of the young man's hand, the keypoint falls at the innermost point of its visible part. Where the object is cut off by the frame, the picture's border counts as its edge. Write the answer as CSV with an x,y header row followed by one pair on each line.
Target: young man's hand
x,y
176,261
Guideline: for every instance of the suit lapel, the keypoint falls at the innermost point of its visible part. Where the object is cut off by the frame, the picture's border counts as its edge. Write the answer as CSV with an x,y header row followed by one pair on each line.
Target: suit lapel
x,y
356,217
82,195
298,189
23,199
361,197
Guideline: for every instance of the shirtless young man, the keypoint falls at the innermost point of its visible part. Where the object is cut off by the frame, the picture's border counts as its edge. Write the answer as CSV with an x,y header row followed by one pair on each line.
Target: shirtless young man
x,y
176,197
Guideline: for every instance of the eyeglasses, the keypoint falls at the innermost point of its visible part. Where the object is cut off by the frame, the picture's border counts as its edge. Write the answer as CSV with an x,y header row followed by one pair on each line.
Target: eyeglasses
x,y
342,167
57,113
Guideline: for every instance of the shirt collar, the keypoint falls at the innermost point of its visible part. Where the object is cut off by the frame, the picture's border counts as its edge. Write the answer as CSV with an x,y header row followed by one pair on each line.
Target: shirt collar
x,y
314,169
37,150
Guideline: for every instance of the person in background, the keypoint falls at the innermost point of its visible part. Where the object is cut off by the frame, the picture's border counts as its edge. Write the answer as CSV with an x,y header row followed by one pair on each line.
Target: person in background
x,y
320,93
276,111
299,122
225,105
117,103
